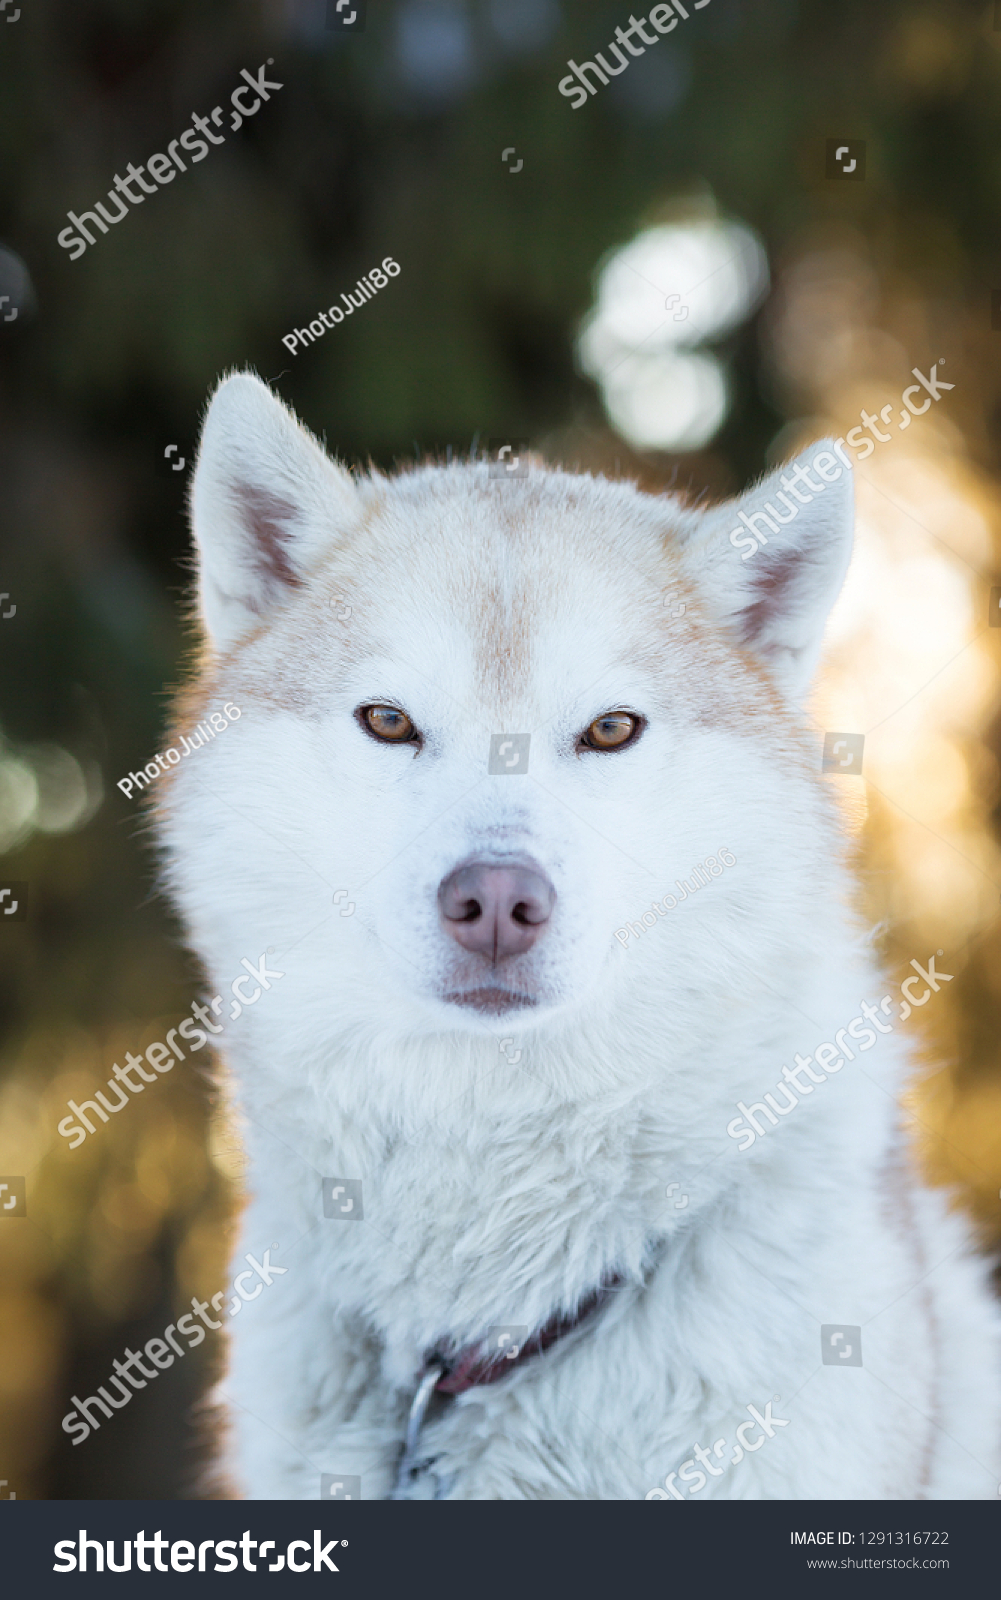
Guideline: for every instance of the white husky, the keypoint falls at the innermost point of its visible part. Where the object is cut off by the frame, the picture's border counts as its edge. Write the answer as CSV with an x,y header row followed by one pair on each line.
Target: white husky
x,y
486,722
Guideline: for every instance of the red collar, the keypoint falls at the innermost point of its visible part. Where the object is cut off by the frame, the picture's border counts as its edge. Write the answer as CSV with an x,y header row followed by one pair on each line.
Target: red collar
x,y
468,1368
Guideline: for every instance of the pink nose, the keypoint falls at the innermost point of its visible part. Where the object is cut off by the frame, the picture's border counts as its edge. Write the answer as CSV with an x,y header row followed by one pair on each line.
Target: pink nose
x,y
495,911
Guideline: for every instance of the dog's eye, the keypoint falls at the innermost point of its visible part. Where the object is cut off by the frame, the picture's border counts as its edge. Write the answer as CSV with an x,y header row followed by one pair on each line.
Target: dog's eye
x,y
611,732
388,724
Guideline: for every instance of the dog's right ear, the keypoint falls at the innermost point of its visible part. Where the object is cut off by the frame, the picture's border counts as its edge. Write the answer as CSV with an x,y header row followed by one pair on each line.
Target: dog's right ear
x,y
266,502
772,590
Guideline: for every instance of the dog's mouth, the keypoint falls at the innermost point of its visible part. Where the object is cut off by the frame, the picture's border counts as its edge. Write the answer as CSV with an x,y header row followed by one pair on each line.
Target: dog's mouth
x,y
491,1001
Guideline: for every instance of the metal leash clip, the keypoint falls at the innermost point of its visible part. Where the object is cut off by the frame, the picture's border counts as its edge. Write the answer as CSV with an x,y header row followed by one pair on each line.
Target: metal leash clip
x,y
410,1460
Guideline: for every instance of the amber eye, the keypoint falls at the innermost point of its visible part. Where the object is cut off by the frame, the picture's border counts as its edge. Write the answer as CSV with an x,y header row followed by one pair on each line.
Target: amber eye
x,y
388,724
611,732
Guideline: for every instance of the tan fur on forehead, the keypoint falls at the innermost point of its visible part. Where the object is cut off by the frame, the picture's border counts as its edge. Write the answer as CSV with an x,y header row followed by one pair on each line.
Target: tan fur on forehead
x,y
518,560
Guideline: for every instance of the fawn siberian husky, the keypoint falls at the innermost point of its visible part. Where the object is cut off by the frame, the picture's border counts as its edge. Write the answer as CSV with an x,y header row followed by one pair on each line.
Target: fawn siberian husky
x,y
496,1108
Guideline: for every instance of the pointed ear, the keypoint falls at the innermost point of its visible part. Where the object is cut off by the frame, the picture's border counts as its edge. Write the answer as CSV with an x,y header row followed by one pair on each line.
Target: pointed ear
x,y
266,502
772,563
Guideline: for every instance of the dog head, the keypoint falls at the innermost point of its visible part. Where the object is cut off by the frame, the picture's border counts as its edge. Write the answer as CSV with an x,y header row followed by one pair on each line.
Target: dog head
x,y
488,722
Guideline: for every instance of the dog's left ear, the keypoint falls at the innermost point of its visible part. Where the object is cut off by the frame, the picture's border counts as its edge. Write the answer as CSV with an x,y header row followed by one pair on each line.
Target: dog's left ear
x,y
267,503
772,563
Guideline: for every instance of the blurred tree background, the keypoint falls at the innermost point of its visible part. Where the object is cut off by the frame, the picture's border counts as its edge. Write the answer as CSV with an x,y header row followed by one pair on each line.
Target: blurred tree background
x,y
389,143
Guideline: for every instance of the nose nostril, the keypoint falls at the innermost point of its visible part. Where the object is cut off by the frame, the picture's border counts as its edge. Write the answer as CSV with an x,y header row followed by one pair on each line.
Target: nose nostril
x,y
496,910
